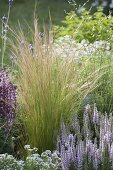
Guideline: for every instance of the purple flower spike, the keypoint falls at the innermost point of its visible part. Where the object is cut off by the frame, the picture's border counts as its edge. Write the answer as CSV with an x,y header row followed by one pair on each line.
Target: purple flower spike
x,y
80,155
95,115
8,99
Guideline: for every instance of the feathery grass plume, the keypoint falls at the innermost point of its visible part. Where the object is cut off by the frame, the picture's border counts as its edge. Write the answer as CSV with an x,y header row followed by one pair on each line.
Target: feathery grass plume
x,y
50,87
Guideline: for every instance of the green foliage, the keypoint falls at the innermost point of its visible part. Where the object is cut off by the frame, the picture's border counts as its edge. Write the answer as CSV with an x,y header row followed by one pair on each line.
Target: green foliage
x,y
92,27
6,143
103,94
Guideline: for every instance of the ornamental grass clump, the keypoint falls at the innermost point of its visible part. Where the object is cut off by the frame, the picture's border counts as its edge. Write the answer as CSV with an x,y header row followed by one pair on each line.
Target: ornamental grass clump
x,y
51,87
90,146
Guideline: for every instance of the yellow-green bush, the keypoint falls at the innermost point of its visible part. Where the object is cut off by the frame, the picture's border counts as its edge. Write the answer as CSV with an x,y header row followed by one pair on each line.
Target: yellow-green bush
x,y
92,27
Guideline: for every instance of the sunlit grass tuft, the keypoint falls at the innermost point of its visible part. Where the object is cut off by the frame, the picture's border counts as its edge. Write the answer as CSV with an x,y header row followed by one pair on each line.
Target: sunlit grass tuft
x,y
50,87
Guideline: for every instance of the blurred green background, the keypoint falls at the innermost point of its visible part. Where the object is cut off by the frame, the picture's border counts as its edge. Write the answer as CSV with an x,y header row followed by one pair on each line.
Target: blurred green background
x,y
23,10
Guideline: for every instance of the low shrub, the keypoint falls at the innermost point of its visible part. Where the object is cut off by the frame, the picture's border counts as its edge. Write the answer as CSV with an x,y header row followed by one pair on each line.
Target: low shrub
x,y
85,25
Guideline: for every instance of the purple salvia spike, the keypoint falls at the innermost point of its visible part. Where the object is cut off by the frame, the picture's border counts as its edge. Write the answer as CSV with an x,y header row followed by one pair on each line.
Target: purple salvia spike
x,y
63,132
107,137
101,144
71,140
96,157
72,147
64,158
86,114
86,121
111,121
95,118
80,155
111,155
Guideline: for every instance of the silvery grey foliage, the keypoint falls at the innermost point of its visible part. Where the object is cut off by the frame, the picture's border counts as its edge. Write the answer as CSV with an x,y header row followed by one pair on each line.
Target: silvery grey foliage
x,y
46,161
93,147
8,162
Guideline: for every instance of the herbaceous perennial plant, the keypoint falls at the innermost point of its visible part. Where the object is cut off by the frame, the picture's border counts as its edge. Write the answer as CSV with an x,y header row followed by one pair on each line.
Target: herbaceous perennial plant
x,y
90,147
46,161
5,28
50,87
8,100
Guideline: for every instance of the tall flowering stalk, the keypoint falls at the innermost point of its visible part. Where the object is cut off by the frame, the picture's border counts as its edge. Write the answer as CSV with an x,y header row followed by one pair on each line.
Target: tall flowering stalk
x,y
93,147
4,31
8,100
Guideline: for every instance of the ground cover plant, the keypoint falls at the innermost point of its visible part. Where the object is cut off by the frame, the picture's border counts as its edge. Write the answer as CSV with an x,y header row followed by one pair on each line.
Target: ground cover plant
x,y
46,161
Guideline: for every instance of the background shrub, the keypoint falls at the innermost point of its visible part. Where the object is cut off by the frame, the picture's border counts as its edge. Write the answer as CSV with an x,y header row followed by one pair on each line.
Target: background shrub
x,y
91,27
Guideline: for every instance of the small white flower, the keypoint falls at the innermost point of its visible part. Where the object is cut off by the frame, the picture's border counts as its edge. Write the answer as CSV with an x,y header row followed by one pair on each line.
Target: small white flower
x,y
27,147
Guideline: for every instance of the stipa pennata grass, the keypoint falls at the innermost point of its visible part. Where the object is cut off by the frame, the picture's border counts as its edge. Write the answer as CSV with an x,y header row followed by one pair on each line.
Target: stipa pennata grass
x,y
51,87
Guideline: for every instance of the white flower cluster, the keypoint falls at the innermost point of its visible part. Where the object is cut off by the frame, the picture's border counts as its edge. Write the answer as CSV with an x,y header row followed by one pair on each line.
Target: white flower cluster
x,y
8,162
68,47
46,161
